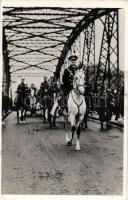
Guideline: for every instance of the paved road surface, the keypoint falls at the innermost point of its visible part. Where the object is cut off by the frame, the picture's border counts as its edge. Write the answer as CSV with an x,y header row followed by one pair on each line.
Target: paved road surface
x,y
35,160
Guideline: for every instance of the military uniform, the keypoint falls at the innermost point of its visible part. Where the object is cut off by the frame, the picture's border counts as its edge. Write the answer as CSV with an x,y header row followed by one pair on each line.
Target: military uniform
x,y
67,80
19,99
52,94
21,89
44,89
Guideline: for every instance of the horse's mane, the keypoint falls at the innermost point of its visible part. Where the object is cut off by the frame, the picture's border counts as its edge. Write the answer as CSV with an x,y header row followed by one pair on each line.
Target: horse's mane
x,y
80,71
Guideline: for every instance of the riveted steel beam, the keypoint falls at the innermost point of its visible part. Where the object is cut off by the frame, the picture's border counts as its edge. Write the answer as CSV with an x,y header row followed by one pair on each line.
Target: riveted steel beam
x,y
83,24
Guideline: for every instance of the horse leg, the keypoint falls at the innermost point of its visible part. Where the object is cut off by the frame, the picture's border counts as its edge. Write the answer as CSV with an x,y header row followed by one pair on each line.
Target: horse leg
x,y
101,118
21,118
78,137
73,129
85,121
65,123
25,116
108,118
102,125
41,111
69,142
49,118
18,121
54,118
44,112
66,129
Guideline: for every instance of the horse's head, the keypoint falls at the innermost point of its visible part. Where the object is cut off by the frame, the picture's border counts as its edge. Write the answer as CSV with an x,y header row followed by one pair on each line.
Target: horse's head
x,y
79,81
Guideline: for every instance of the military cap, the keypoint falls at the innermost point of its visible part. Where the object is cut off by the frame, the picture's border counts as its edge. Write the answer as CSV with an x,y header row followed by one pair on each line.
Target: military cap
x,y
73,58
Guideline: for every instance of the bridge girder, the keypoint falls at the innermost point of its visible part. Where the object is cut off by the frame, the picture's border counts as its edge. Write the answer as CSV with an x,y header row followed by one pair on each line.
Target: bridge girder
x,y
83,24
86,25
108,66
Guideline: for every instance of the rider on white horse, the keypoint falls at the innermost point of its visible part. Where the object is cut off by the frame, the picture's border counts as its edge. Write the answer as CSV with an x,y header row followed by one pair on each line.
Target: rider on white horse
x,y
73,88
72,100
67,79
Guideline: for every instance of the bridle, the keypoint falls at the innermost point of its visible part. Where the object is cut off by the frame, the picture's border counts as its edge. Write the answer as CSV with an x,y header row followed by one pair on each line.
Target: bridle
x,y
78,106
77,91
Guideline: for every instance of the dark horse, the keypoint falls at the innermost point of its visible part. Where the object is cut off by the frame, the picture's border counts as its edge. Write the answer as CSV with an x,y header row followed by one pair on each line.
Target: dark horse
x,y
21,103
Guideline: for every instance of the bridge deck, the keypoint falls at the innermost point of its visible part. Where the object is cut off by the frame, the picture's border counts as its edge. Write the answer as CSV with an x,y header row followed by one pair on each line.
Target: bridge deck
x,y
35,160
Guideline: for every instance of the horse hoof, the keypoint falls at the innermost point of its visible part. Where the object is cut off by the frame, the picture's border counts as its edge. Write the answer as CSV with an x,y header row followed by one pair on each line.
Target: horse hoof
x,y
77,148
69,143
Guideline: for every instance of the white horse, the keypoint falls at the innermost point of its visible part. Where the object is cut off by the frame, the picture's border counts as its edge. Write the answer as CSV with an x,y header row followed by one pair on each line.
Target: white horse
x,y
76,108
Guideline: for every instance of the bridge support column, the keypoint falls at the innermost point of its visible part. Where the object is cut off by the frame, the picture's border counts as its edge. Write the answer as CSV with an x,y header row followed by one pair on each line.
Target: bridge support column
x,y
108,66
6,68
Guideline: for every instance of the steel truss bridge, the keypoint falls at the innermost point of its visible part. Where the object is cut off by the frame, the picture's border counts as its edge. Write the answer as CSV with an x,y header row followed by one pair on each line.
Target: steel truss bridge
x,y
43,38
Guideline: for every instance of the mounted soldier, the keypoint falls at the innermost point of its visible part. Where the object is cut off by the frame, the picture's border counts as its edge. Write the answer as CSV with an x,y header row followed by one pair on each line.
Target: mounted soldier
x,y
21,88
20,100
67,80
68,75
52,96
44,88
43,93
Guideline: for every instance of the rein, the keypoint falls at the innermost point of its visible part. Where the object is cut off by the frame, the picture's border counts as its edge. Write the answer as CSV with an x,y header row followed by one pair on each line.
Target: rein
x,y
70,72
78,106
77,90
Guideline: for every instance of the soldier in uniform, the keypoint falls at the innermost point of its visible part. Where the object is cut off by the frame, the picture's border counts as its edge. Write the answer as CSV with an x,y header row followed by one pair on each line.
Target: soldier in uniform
x,y
52,95
21,87
67,80
43,92
68,75
20,98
